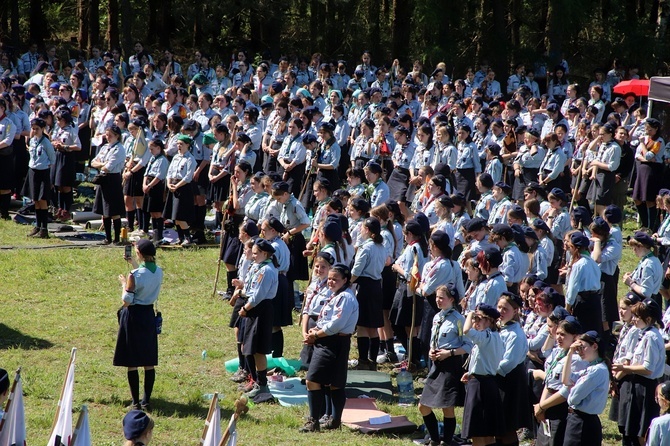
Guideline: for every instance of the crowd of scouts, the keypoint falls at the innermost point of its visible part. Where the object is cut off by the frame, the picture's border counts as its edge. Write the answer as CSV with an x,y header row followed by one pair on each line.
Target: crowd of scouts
x,y
479,230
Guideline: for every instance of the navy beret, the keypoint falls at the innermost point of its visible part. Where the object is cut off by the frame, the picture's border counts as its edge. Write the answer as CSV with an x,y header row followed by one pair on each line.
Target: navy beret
x,y
644,238
494,148
402,129
579,240
445,201
251,228
581,215
327,126
190,124
552,107
560,313
613,214
486,180
502,185
413,227
493,255
145,247
421,218
264,245
441,240
488,311
134,424
308,139
600,223
332,231
280,186
529,232
653,122
502,229
475,224
574,322
276,225
374,167
558,193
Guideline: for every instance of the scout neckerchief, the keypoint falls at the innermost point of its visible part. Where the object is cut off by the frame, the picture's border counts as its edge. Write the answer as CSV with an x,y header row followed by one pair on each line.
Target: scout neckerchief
x,y
330,299
371,188
552,366
38,146
436,327
637,273
257,197
315,292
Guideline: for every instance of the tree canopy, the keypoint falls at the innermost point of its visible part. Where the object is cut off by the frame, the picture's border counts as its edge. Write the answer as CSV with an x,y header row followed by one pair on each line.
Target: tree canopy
x,y
588,33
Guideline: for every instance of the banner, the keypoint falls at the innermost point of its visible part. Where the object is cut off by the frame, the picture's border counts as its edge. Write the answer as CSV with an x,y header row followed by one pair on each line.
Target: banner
x,y
211,436
61,431
13,424
82,431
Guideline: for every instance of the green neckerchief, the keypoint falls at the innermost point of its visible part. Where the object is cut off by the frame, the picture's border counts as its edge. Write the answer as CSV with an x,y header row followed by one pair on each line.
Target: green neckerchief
x,y
151,266
554,364
596,362
371,187
585,254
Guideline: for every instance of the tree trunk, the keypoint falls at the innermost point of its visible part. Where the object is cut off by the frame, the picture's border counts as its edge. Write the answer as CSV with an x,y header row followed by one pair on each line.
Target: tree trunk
x,y
197,24
93,23
482,33
499,59
14,23
515,16
82,13
127,17
153,24
37,23
555,31
402,27
167,23
373,26
112,34
653,12
541,46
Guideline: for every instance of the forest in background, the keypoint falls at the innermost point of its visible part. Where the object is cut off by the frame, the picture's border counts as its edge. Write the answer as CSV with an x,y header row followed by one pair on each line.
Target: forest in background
x,y
589,33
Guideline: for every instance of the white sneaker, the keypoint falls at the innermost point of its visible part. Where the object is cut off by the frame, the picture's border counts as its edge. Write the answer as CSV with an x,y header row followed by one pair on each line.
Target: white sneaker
x,y
353,362
382,358
186,243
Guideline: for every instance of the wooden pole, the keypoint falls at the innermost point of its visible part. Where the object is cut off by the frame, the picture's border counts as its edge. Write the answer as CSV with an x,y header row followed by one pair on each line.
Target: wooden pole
x,y
212,407
62,390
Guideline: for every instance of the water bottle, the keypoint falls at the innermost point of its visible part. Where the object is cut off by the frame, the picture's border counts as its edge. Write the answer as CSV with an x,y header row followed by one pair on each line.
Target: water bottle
x,y
405,388
204,355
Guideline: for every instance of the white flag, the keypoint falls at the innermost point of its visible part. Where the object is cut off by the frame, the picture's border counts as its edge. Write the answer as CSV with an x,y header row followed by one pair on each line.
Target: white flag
x,y
82,433
13,431
212,434
61,432
232,430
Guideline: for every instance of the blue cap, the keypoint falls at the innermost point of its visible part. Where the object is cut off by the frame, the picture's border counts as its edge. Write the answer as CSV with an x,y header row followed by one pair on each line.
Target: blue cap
x,y
493,256
600,223
475,224
558,193
560,313
265,246
529,232
644,238
579,240
581,215
134,424
613,214
488,310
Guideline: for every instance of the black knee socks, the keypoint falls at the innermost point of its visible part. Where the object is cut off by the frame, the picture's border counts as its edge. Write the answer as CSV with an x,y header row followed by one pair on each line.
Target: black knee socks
x,y
61,200
230,275
139,215
251,367
374,349
134,383
278,344
149,379
644,215
329,401
416,350
430,421
240,356
117,229
180,233
68,200
389,346
262,377
363,348
653,220
42,218
130,215
107,223
219,219
5,202
338,398
449,429
157,223
316,401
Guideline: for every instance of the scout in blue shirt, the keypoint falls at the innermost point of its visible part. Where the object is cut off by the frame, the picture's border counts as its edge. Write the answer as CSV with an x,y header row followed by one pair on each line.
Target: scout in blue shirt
x,y
498,214
659,430
259,289
515,264
154,187
554,162
647,277
588,394
447,345
512,374
378,190
582,295
489,260
367,273
332,340
483,404
557,216
38,184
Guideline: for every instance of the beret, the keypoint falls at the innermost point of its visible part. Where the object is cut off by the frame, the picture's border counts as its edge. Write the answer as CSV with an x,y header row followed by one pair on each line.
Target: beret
x,y
134,424
644,238
613,214
579,240
493,255
280,186
374,167
488,310
265,246
276,224
145,247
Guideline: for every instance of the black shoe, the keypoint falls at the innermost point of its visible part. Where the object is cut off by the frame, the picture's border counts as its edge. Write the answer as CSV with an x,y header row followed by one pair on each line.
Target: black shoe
x,y
145,407
332,423
311,425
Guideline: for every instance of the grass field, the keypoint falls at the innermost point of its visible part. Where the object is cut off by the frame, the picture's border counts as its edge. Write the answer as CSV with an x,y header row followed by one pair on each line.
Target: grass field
x,y
56,299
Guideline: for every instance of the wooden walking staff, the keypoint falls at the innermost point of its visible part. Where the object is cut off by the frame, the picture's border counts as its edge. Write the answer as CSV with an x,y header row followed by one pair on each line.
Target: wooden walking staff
x,y
17,377
213,406
411,292
575,191
227,216
240,408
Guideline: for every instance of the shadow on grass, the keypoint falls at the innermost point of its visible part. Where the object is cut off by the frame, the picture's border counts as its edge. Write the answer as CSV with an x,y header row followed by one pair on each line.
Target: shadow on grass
x,y
183,410
11,338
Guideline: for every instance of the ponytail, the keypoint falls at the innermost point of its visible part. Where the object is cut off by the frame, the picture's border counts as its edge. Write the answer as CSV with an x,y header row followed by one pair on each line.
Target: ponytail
x,y
377,238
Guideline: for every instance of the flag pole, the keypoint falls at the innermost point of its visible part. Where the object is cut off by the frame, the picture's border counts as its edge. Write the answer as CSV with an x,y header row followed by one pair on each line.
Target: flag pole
x,y
240,408
17,377
80,420
212,407
62,390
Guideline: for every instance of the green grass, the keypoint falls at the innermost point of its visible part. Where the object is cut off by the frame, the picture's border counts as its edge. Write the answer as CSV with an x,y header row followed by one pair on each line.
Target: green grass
x,y
56,299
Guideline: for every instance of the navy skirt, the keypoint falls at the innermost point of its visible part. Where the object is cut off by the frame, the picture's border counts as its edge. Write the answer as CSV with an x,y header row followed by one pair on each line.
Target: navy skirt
x,y
514,394
137,340
398,183
443,386
109,197
330,361
282,304
258,329
154,201
64,171
583,429
369,297
401,311
483,408
132,187
637,405
179,204
37,185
